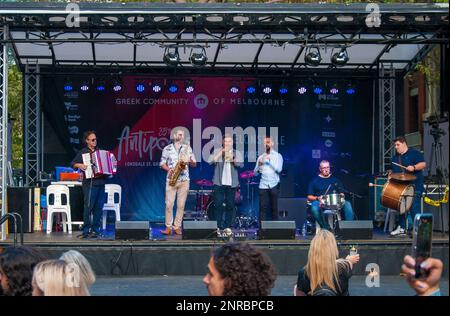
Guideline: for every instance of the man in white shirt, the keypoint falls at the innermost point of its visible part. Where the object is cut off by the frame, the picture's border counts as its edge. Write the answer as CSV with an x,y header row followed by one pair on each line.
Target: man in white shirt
x,y
226,161
269,165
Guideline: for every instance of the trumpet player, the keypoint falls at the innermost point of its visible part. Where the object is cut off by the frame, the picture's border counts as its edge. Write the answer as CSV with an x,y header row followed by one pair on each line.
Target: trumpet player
x,y
226,162
176,159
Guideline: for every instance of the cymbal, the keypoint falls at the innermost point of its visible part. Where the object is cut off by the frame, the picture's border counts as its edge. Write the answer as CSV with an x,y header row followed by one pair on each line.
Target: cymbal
x,y
403,176
204,183
247,174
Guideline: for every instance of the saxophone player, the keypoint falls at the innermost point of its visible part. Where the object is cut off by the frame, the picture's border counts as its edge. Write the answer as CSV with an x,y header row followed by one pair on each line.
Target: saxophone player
x,y
176,159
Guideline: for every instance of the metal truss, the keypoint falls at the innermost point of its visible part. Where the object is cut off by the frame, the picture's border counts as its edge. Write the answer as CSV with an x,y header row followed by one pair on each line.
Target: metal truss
x,y
32,125
3,123
386,88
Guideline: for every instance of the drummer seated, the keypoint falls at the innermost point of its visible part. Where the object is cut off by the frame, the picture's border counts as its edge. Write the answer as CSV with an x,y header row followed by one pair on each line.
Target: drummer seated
x,y
322,184
317,211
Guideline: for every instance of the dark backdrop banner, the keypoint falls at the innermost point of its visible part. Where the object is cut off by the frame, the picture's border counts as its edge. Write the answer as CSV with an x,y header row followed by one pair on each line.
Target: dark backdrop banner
x,y
136,126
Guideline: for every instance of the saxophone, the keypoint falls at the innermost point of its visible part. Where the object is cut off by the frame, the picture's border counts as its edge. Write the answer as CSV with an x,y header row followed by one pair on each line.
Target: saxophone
x,y
180,166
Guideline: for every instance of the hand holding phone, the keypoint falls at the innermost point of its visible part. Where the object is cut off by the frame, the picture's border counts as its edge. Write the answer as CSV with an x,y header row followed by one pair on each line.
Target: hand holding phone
x,y
422,238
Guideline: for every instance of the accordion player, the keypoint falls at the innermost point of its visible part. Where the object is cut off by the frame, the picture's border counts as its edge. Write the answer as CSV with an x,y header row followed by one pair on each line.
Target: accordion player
x,y
99,163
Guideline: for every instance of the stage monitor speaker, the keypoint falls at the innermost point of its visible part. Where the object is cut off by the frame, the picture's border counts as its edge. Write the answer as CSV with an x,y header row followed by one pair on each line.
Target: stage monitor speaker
x,y
21,200
132,230
199,229
355,230
277,230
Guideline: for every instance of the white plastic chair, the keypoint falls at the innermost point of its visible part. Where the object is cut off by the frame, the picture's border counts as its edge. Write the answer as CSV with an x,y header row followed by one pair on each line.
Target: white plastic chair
x,y
58,190
111,190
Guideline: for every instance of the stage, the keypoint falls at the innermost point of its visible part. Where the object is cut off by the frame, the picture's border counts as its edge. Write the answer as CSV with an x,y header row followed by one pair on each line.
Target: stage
x,y
174,256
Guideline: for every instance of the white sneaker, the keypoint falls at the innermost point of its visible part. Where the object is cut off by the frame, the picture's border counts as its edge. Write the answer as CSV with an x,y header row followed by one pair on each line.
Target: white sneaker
x,y
398,231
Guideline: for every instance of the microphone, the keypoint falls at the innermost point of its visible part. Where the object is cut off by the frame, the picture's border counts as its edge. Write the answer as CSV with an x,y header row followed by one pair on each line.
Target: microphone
x,y
344,171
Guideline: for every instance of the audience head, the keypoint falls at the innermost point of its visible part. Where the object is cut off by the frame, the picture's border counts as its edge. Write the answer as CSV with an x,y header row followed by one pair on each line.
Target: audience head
x,y
58,278
238,269
16,270
86,272
321,268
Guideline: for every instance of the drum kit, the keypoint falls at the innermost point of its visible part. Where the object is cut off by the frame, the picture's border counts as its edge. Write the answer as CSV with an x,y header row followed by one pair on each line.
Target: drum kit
x,y
205,201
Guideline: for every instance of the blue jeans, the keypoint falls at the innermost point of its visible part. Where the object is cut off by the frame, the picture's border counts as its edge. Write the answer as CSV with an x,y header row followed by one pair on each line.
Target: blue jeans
x,y
415,209
93,204
316,211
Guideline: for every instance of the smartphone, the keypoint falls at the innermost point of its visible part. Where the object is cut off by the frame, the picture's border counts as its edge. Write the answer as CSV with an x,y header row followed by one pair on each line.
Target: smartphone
x,y
422,237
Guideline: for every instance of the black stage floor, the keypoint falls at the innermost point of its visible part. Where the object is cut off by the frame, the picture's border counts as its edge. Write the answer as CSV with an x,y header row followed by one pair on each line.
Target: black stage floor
x,y
174,256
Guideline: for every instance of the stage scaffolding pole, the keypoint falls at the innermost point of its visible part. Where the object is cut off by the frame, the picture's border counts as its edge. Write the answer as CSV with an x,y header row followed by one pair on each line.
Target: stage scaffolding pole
x,y
32,125
3,122
386,101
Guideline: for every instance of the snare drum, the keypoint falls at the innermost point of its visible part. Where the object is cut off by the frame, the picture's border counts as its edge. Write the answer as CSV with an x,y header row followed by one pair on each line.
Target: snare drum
x,y
333,201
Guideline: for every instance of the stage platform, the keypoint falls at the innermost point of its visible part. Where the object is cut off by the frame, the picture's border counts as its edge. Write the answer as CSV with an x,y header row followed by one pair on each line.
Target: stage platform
x,y
172,255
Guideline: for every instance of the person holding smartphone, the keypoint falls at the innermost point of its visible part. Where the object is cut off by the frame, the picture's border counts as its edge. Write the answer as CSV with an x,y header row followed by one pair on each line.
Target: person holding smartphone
x,y
428,286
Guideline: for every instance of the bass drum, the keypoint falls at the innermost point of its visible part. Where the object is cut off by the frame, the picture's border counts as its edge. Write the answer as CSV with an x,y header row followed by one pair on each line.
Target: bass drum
x,y
398,196
211,211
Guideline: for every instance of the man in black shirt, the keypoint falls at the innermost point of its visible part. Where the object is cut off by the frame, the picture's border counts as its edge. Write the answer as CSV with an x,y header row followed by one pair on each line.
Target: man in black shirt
x,y
93,190
325,183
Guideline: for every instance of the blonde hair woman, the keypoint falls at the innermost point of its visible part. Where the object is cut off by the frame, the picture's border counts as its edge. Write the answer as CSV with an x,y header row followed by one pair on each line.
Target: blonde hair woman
x,y
58,278
325,273
73,256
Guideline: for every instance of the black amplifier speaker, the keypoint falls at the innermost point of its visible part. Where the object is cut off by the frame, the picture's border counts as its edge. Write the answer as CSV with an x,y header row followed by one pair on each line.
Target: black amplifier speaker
x,y
132,230
199,229
21,200
355,230
277,230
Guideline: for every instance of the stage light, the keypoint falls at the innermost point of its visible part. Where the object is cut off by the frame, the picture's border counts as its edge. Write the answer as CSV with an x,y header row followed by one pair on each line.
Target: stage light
x,y
334,89
189,86
313,57
171,56
251,89
317,90
340,58
156,87
100,86
198,59
117,87
350,89
266,89
283,89
172,87
68,86
234,88
302,90
84,87
140,87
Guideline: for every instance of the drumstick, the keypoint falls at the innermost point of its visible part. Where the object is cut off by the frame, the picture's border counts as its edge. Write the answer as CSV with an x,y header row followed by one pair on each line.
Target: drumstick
x,y
397,164
375,185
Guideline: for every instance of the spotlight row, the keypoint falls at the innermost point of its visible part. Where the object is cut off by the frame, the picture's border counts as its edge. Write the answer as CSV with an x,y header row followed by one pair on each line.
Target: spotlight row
x,y
189,87
299,88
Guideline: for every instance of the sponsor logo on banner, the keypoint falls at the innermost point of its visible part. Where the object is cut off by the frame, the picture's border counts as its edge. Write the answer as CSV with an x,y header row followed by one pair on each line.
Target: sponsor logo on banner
x,y
74,140
327,105
73,129
325,97
70,107
328,143
316,154
329,134
201,101
71,118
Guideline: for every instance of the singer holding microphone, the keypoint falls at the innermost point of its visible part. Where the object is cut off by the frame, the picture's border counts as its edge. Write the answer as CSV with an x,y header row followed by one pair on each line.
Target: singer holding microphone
x,y
226,162
269,165
325,183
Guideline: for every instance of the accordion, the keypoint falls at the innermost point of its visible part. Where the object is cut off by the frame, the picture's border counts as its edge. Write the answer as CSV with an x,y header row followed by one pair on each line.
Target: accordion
x,y
100,163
